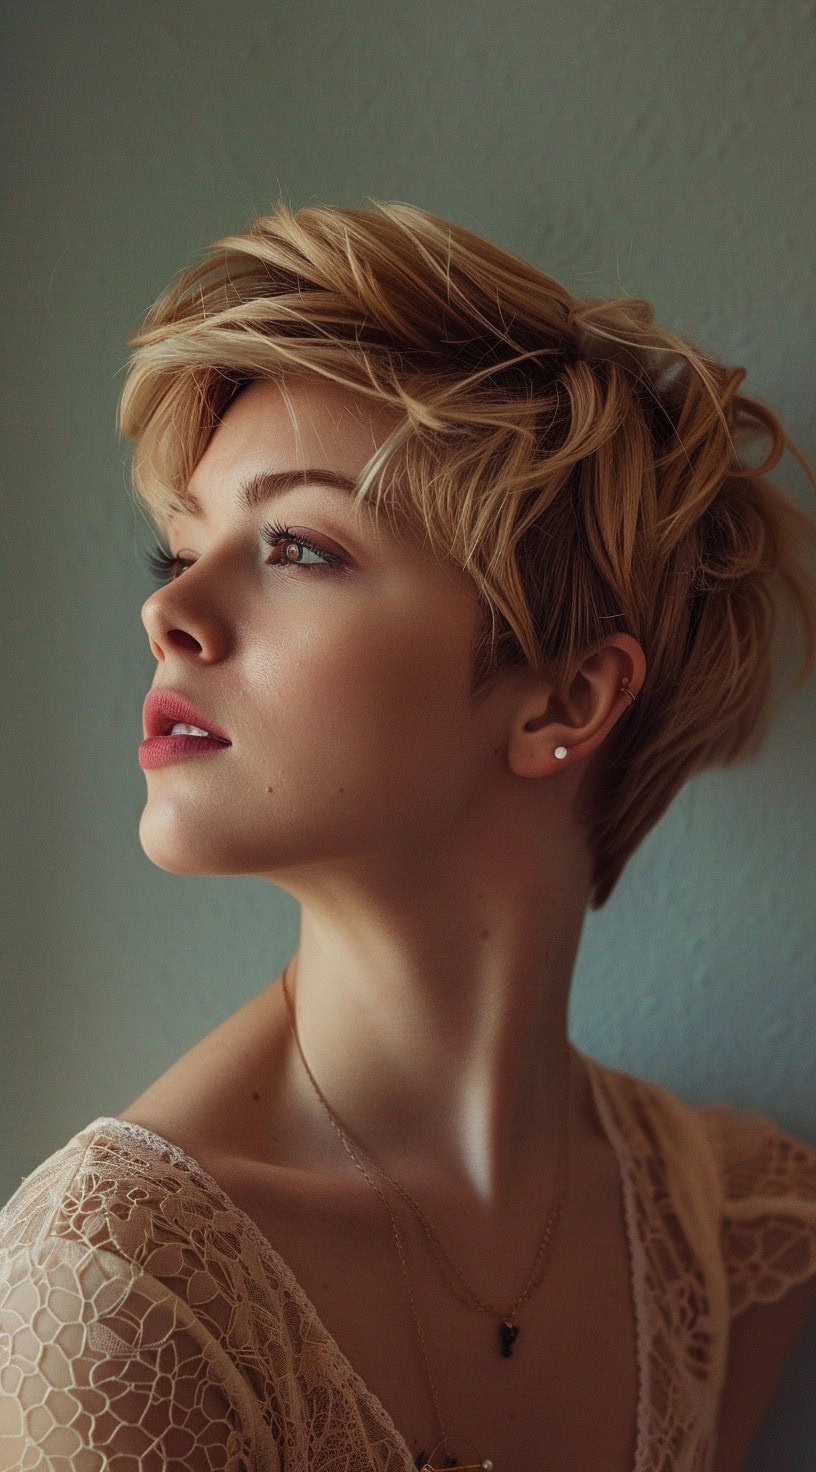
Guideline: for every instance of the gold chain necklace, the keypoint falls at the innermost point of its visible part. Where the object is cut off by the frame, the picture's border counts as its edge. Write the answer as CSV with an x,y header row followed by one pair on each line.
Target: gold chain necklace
x,y
508,1330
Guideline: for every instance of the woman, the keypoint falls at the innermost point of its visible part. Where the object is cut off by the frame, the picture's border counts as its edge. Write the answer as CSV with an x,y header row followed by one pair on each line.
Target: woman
x,y
464,579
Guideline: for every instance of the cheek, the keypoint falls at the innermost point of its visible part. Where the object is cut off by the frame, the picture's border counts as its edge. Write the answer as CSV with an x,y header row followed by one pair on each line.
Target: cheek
x,y
410,741
368,706
378,712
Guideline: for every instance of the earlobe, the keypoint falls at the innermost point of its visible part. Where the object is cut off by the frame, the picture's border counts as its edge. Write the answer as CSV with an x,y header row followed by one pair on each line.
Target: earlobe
x,y
561,751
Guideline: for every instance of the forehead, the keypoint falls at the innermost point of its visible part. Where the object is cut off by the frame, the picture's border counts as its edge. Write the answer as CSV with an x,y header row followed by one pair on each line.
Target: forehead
x,y
270,436
303,423
267,441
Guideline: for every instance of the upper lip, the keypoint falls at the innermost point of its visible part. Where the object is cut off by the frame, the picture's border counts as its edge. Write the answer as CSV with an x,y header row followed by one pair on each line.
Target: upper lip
x,y
163,708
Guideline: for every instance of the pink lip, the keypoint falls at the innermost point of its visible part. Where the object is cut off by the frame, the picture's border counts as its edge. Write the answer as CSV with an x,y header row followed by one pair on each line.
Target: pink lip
x,y
163,708
157,751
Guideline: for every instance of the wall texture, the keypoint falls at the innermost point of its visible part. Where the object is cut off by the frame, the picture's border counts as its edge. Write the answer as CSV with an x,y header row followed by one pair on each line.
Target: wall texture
x,y
645,148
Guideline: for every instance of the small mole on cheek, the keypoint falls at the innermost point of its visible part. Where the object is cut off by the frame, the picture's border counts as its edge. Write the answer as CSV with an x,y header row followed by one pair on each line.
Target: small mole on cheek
x,y
269,789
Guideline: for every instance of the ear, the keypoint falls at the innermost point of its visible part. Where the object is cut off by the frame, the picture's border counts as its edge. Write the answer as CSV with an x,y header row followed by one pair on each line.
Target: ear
x,y
581,719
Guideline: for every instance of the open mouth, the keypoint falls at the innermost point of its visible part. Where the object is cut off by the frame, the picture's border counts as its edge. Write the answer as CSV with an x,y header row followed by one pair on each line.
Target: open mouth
x,y
178,728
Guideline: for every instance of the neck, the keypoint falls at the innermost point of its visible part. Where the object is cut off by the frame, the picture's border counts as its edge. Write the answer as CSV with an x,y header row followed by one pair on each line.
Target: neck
x,y
439,1038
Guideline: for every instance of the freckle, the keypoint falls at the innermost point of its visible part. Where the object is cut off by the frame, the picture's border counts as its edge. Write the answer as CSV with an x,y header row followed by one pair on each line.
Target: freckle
x,y
484,934
342,789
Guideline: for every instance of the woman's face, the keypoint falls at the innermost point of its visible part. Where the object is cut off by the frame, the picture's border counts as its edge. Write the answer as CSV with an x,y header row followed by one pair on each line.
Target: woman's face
x,y
344,688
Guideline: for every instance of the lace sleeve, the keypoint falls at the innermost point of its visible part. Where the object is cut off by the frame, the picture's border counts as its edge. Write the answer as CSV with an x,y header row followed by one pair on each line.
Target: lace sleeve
x,y
768,1226
103,1365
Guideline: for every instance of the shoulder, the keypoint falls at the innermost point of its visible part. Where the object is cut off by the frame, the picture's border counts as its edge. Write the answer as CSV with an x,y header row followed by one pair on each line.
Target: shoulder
x,y
745,1187
768,1247
750,1186
116,1188
83,1267
105,1357
744,1164
39,1202
760,1342
767,1209
201,1101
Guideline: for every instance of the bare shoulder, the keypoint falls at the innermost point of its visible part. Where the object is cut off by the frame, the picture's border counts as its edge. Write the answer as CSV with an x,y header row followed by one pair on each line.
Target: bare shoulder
x,y
760,1343
209,1097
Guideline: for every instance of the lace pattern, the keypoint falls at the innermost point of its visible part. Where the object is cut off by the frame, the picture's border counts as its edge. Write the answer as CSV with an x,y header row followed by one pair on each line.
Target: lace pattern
x,y
130,1194
768,1234
143,1316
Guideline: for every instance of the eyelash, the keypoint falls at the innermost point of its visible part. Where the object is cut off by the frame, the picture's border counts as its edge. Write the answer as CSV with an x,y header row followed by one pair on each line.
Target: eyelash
x,y
161,564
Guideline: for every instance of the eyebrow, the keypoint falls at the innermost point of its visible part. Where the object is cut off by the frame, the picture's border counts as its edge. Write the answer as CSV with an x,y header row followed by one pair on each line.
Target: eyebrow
x,y
264,485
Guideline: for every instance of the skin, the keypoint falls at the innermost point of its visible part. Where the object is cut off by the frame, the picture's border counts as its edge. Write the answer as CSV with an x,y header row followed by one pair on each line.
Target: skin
x,y
429,839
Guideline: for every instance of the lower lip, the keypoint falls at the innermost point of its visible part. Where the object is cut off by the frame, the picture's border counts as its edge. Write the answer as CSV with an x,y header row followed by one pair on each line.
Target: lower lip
x,y
156,751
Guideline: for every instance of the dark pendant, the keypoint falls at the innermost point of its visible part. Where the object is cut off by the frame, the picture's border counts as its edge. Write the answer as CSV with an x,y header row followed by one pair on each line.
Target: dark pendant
x,y
509,1334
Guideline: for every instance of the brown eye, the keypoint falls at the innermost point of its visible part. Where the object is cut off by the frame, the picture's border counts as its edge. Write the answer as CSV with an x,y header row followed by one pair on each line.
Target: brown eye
x,y
281,536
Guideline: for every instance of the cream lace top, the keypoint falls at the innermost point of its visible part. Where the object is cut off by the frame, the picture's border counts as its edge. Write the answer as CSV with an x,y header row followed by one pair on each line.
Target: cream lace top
x,y
145,1318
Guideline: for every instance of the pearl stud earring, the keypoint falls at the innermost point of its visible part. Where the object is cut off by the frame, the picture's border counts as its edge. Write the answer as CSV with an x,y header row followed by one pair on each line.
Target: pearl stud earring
x,y
561,751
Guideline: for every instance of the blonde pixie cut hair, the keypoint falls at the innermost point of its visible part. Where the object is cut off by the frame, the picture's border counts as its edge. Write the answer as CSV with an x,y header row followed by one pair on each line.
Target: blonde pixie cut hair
x,y
580,464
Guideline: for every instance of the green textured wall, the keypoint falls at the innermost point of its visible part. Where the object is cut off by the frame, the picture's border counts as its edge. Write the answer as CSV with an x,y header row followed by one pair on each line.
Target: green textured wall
x,y
625,147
